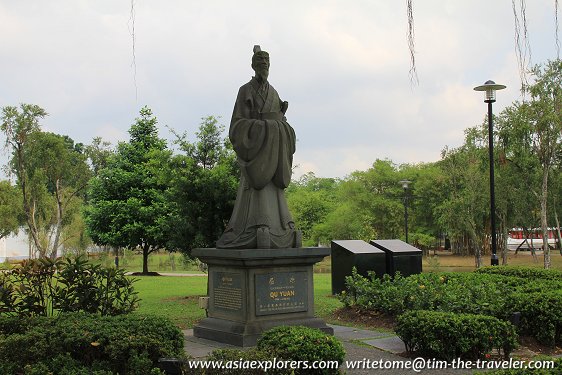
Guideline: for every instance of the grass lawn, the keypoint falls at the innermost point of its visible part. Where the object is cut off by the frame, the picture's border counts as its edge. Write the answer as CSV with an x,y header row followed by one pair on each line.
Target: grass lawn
x,y
176,297
173,297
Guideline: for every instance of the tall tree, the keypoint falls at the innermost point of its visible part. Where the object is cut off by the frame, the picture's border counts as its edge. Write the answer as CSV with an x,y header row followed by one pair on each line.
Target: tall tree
x,y
533,131
128,203
204,181
463,213
51,172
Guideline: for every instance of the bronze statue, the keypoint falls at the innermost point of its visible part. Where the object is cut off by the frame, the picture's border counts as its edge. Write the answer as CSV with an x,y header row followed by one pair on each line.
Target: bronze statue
x,y
264,143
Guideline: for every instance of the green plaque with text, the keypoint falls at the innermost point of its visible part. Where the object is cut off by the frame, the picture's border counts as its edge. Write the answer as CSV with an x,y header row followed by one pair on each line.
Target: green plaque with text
x,y
281,292
227,290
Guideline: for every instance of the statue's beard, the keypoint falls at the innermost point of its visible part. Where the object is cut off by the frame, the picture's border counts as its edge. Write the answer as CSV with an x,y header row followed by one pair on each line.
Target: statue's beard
x,y
262,74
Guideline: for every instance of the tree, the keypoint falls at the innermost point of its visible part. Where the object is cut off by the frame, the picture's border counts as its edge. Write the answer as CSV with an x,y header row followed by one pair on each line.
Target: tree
x,y
532,131
310,200
464,212
128,203
51,172
11,213
369,206
203,187
98,154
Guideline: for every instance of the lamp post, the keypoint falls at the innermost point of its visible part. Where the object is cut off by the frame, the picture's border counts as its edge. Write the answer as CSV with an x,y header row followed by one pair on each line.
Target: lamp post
x,y
490,87
405,184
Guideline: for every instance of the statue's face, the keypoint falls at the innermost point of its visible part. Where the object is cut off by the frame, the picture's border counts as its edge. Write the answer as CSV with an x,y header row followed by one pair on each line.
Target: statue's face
x,y
260,64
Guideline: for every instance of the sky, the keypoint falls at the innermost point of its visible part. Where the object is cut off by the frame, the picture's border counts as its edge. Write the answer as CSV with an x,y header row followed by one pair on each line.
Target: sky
x,y
343,66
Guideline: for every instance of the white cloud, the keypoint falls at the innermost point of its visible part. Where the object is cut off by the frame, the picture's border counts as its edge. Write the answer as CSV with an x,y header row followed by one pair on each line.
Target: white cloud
x,y
342,65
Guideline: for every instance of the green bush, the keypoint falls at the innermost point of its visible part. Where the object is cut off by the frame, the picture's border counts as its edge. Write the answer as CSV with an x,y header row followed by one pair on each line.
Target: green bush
x,y
523,272
537,294
297,343
449,335
540,314
455,292
79,343
43,287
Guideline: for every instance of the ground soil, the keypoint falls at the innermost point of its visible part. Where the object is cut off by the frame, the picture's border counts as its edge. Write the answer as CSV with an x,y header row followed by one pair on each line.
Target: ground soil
x,y
364,318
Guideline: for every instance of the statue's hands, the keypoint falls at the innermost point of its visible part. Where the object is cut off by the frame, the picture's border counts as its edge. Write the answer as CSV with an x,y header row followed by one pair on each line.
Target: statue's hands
x,y
284,107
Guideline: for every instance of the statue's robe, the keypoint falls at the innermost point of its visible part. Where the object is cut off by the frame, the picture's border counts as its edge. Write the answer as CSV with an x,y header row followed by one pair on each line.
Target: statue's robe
x,y
264,143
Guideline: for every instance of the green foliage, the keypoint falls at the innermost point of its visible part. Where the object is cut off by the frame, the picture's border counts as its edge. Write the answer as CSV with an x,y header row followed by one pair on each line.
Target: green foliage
x,y
538,299
523,272
540,314
128,203
450,335
203,188
51,173
80,343
470,293
310,199
44,287
304,344
11,212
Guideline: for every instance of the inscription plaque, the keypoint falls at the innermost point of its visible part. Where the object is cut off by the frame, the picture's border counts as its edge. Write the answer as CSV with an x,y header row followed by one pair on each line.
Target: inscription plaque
x,y
227,290
281,292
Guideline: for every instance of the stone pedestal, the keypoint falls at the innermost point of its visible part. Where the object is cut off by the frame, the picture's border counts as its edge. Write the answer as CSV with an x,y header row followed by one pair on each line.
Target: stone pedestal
x,y
253,290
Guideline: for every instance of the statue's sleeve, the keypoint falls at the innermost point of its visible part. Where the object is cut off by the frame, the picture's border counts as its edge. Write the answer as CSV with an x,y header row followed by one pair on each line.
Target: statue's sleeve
x,y
262,145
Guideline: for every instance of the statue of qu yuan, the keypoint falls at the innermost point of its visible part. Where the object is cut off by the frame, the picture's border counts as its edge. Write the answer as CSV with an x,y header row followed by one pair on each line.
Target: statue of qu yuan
x,y
264,143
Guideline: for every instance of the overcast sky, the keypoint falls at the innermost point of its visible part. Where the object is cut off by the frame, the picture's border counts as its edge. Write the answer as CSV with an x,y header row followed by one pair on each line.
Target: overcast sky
x,y
342,66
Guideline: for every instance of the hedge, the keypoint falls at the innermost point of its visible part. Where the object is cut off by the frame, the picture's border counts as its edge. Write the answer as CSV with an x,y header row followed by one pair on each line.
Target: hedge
x,y
497,292
297,343
282,344
80,343
449,335
522,272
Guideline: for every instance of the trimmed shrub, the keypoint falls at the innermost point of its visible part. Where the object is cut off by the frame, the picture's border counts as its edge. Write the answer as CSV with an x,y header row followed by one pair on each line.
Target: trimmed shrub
x,y
297,343
540,315
465,293
77,343
449,335
529,273
495,291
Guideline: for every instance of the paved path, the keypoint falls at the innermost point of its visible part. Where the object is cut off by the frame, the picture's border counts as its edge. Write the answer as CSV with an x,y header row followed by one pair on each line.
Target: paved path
x,y
360,345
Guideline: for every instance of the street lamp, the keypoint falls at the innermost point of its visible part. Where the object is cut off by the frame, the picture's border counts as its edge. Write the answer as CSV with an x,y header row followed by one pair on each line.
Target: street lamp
x,y
405,184
490,87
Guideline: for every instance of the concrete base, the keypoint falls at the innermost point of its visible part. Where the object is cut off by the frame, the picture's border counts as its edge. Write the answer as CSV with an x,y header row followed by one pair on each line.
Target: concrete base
x,y
253,290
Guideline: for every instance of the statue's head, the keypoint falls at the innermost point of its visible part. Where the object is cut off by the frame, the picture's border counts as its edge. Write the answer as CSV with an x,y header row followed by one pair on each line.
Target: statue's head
x,y
260,63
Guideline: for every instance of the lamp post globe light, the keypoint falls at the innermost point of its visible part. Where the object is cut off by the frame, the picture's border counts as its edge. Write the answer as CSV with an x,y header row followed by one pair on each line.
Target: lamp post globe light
x,y
491,87
405,184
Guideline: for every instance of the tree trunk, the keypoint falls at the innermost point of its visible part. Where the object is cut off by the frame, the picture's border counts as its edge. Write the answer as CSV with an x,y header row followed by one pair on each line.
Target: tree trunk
x,y
544,219
33,230
477,245
58,225
558,230
145,252
503,239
